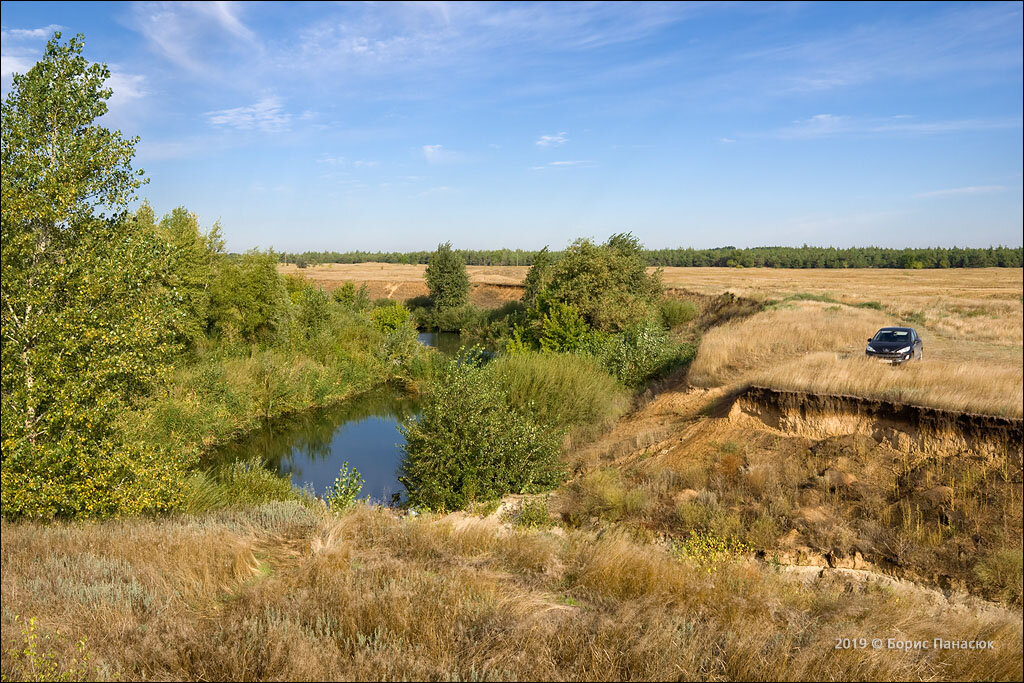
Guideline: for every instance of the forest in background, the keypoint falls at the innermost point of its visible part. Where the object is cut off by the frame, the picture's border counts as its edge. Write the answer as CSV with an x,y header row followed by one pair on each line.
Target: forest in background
x,y
732,257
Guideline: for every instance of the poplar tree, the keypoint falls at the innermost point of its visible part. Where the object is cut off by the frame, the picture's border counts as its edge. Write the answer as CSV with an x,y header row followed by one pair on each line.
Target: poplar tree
x,y
86,319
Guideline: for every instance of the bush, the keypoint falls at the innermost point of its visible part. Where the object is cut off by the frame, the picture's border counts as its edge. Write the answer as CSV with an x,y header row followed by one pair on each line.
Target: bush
x,y
242,483
391,317
562,328
565,391
532,514
640,353
249,299
314,311
346,294
608,284
469,444
1002,576
676,312
452,319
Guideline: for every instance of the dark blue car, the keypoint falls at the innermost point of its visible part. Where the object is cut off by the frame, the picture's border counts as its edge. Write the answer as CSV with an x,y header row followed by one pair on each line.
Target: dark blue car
x,y
895,345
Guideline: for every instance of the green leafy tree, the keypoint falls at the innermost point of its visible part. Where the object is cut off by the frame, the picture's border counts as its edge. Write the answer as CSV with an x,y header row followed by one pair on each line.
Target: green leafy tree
x,y
392,317
469,444
86,317
608,284
195,259
537,278
447,278
249,299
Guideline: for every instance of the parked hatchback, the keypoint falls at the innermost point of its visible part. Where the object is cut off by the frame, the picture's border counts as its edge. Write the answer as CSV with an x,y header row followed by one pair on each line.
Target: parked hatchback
x,y
895,345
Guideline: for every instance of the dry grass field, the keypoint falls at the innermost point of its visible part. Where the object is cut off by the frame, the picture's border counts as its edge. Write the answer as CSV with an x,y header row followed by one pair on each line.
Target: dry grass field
x,y
282,592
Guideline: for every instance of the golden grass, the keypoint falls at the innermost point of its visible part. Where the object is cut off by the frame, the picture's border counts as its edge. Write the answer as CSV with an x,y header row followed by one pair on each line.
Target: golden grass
x,y
283,594
818,347
960,387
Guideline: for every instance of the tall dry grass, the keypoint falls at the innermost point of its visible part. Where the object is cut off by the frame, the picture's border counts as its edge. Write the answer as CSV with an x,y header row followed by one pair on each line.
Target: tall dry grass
x,y
818,347
960,387
730,352
279,593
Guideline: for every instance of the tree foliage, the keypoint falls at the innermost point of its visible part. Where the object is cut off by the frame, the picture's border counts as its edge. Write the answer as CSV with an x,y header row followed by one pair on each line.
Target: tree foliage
x,y
608,284
687,257
87,318
447,279
469,444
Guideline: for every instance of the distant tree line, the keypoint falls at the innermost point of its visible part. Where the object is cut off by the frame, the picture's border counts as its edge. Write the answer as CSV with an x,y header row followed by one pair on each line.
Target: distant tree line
x,y
753,257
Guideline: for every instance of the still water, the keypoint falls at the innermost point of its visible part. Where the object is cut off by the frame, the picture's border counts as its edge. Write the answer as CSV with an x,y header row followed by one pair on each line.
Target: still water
x,y
363,431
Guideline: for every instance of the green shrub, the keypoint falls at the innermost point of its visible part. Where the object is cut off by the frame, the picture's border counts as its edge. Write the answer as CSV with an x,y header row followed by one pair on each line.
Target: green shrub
x,y
608,284
603,494
470,445
314,311
565,391
454,319
676,312
390,317
873,305
532,514
346,294
562,328
343,492
640,353
249,299
708,550
242,483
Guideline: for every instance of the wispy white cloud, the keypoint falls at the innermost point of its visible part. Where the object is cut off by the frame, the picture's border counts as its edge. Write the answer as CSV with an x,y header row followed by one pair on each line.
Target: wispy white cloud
x,y
437,154
14,64
267,116
972,189
727,141
555,140
330,160
188,33
29,33
974,39
832,125
563,164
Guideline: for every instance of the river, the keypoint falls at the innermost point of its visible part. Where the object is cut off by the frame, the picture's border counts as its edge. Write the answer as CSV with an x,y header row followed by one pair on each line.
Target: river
x,y
363,431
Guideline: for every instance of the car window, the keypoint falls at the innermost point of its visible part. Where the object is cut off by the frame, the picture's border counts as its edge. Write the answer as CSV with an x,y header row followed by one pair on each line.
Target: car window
x,y
892,336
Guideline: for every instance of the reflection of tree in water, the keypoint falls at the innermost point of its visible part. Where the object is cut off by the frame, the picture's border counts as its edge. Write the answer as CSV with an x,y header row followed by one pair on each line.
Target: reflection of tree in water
x,y
311,433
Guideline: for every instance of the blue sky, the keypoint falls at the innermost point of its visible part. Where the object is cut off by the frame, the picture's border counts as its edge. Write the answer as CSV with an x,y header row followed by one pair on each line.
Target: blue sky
x,y
394,126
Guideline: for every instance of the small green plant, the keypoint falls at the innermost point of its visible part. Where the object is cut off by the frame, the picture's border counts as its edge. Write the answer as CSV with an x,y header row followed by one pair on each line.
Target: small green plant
x,y
39,662
532,514
873,305
676,312
708,550
914,318
1001,573
346,294
342,494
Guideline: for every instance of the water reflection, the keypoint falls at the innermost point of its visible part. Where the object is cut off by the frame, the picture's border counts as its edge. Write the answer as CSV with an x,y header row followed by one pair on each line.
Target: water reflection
x,y
447,343
312,446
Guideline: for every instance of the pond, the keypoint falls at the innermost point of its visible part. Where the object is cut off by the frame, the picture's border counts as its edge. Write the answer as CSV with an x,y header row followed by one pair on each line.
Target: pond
x,y
447,343
363,431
